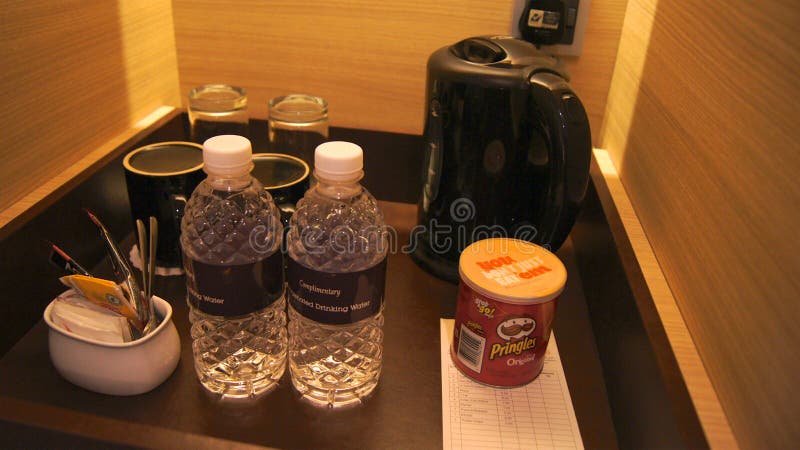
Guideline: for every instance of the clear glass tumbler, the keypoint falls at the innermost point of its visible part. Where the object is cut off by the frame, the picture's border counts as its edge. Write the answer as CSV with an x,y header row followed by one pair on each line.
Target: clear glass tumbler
x,y
216,109
298,123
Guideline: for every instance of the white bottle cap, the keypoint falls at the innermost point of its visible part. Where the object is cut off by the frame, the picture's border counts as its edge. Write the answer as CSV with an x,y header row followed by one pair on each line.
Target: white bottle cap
x,y
338,161
227,155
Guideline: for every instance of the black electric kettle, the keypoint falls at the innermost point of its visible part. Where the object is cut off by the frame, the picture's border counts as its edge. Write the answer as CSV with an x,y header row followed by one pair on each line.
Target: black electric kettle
x,y
508,148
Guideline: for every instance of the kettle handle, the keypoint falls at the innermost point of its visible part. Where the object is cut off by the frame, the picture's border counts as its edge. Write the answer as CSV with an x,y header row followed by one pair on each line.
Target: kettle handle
x,y
570,153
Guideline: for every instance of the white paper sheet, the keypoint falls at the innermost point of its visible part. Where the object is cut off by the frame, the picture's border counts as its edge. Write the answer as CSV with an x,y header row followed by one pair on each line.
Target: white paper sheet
x,y
538,415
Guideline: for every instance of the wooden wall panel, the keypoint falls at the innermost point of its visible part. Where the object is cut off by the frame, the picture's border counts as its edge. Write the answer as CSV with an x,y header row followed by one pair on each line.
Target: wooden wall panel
x,y
701,122
366,57
76,74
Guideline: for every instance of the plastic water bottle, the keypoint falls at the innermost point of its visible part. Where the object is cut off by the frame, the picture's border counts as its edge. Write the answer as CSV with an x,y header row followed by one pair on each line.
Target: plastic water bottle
x,y
337,250
231,237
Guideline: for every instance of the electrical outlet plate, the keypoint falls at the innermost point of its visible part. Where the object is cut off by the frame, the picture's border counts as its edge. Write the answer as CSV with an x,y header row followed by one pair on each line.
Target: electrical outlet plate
x,y
573,49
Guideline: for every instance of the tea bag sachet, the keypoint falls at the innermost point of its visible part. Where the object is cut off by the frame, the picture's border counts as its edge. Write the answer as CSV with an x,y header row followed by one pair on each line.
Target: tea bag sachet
x,y
105,294
72,312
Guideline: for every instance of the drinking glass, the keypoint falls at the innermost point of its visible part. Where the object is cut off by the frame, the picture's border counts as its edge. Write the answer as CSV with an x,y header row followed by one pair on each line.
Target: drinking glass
x,y
216,109
298,123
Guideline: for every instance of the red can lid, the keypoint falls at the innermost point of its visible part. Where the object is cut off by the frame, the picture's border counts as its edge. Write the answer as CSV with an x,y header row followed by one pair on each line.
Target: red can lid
x,y
512,270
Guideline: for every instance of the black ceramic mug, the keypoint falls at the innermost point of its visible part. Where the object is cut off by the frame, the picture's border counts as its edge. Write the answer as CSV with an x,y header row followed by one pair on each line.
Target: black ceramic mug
x,y
285,177
160,178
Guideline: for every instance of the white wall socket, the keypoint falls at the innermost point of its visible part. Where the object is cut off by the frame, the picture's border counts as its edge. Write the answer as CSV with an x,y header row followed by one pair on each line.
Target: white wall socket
x,y
566,50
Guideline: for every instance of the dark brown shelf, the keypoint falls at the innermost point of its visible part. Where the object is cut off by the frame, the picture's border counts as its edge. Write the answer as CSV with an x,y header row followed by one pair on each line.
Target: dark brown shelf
x,y
406,407
40,409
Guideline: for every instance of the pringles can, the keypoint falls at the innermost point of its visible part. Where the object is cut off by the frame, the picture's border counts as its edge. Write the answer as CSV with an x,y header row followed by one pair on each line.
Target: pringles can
x,y
505,309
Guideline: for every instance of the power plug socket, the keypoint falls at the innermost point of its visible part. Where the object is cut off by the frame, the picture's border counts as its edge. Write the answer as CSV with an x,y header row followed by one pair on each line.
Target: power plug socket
x,y
569,40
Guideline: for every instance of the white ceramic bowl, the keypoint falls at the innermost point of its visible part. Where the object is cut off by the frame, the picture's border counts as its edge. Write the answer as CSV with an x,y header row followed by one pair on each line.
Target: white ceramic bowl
x,y
129,368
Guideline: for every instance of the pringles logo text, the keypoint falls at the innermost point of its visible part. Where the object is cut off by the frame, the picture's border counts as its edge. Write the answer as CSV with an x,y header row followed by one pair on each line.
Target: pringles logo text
x,y
512,348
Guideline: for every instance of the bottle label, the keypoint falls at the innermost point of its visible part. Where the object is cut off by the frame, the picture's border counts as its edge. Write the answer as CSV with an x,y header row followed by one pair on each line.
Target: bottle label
x,y
336,298
234,290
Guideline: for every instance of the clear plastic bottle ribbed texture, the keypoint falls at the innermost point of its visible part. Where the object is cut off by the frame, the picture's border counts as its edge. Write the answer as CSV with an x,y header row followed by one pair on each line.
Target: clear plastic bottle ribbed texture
x,y
231,222
337,228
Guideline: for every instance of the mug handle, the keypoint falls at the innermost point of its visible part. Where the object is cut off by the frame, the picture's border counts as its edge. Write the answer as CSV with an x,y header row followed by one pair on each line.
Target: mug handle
x,y
286,210
178,208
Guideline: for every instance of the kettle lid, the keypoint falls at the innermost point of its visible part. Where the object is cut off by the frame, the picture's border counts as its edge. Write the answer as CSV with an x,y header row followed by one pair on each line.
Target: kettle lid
x,y
484,57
